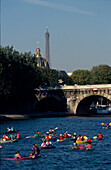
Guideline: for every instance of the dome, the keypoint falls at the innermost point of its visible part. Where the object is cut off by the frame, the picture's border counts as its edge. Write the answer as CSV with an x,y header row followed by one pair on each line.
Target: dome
x,y
41,62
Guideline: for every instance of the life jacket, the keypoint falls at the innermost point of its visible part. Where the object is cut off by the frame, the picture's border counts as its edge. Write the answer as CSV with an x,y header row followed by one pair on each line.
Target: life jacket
x,y
18,136
89,146
37,135
17,155
4,136
74,144
48,143
65,135
60,137
47,137
102,123
100,136
79,138
44,144
11,136
85,138
12,129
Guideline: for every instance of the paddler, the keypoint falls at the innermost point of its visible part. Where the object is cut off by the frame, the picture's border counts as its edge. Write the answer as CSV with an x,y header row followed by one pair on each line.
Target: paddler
x,y
18,136
33,151
5,137
8,129
51,130
110,124
65,135
85,137
17,155
37,134
44,143
100,136
89,146
61,137
12,129
79,138
74,146
102,123
11,136
37,150
49,143
47,137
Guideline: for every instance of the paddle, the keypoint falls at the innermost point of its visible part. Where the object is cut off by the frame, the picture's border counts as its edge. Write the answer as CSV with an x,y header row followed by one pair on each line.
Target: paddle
x,y
95,137
56,128
29,136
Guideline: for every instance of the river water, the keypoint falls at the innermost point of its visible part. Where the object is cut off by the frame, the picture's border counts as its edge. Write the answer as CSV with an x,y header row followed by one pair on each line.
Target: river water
x,y
62,157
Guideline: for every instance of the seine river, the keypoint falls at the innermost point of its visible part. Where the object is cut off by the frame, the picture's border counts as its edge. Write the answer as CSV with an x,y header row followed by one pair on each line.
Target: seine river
x,y
62,157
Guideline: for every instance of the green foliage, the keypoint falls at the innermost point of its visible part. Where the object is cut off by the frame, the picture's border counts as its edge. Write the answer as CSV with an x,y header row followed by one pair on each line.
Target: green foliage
x,y
19,75
98,75
101,74
81,77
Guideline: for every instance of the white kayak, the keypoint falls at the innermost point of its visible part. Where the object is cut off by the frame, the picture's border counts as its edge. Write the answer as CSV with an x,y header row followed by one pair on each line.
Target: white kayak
x,y
9,141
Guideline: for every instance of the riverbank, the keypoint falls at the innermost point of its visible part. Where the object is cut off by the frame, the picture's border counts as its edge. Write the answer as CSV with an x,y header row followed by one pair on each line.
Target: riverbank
x,y
35,115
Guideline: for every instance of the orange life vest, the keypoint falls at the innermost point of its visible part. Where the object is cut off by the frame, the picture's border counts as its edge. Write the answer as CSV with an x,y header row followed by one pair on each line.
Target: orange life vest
x,y
18,136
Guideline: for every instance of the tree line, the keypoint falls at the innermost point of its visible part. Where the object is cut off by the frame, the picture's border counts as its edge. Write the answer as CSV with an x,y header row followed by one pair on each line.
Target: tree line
x,y
19,75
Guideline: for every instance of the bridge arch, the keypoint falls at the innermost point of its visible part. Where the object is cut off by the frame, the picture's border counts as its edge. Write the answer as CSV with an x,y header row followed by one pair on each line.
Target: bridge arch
x,y
50,104
84,103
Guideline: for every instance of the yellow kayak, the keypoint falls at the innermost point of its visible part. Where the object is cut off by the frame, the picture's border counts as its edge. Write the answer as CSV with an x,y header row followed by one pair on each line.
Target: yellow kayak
x,y
79,142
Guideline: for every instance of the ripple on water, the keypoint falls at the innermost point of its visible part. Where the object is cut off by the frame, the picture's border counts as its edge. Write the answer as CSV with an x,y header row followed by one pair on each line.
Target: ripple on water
x,y
61,157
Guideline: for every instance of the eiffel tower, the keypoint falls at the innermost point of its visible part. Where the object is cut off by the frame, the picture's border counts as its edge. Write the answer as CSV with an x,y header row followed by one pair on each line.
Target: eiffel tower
x,y
47,53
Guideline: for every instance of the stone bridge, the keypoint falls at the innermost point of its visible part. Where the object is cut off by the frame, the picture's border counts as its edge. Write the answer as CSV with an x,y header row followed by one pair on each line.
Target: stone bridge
x,y
74,99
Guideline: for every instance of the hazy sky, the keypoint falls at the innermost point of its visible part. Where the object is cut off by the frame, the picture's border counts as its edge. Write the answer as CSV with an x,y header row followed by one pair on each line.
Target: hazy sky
x,y
80,30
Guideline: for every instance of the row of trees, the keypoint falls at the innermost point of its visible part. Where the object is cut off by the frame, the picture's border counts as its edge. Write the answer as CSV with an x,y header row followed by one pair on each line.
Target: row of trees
x,y
97,75
19,75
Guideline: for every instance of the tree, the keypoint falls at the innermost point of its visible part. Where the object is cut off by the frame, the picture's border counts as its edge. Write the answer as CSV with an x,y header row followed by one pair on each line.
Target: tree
x,y
101,74
81,77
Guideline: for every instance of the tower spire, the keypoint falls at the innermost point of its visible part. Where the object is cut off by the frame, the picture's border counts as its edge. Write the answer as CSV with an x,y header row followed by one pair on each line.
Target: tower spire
x,y
47,54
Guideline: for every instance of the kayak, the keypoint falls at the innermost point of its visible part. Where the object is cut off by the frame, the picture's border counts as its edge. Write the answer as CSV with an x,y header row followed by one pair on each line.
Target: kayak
x,y
48,147
31,136
69,136
9,141
16,159
75,147
84,141
60,140
19,159
89,149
